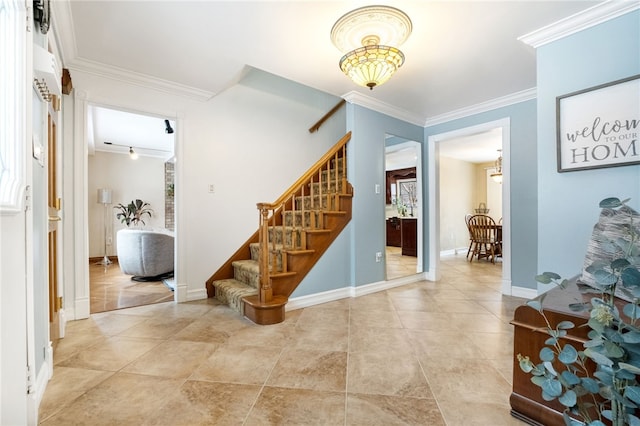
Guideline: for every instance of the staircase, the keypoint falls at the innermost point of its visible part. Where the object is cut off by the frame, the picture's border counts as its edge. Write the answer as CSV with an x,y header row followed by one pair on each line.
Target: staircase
x,y
293,233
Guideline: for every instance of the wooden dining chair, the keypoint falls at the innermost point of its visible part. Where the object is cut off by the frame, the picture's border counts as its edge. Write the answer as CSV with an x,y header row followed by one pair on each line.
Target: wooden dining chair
x,y
466,221
484,234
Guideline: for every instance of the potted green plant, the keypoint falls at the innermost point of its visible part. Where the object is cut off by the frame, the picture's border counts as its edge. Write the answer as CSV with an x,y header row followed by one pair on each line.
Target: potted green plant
x,y
611,393
133,213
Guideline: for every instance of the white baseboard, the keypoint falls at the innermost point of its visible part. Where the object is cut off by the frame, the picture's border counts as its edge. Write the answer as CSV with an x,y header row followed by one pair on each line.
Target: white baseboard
x,y
62,315
197,294
454,251
527,293
40,385
506,287
430,275
318,298
346,292
82,308
385,285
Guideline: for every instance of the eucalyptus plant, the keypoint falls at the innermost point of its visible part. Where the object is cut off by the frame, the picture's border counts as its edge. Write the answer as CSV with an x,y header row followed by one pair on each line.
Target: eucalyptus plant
x,y
133,212
611,392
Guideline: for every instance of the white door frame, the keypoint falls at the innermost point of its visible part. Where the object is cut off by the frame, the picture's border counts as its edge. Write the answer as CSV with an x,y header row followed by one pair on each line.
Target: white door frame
x,y
80,290
419,211
434,196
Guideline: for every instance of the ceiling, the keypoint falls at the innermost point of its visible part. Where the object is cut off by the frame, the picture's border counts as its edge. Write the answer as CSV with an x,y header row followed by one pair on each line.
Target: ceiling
x,y
460,53
477,148
118,131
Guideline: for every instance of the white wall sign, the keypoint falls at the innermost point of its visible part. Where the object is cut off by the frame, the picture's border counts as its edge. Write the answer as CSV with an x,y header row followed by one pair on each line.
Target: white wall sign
x,y
599,126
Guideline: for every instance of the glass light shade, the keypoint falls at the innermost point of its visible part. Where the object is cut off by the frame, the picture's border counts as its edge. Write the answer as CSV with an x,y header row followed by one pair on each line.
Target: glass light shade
x,y
104,196
371,66
497,175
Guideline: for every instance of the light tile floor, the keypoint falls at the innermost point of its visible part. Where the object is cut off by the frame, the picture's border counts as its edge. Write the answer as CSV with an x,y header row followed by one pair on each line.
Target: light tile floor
x,y
421,354
398,265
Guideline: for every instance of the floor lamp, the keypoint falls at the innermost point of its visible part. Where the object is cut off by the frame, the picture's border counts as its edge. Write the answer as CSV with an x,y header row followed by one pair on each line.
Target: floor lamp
x,y
104,198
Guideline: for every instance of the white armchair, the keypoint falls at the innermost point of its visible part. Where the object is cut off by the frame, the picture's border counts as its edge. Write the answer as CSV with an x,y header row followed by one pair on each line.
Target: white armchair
x,y
146,254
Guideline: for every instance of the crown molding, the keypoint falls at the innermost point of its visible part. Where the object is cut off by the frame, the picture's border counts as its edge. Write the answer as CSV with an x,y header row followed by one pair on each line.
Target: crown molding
x,y
63,30
139,79
580,21
514,98
64,34
357,98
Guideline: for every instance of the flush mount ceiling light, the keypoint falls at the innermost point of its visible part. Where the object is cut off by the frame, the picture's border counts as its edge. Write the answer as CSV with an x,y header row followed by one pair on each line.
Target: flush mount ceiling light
x,y
368,37
497,175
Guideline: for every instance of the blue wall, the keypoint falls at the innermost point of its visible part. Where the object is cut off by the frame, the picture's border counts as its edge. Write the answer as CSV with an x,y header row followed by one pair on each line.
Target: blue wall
x,y
367,159
552,214
365,235
568,202
522,118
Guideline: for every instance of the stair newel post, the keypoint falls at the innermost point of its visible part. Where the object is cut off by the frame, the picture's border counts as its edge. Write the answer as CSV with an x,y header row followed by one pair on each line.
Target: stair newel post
x,y
266,293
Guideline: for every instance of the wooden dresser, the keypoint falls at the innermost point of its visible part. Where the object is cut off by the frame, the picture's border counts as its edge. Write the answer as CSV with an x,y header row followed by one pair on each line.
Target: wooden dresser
x,y
528,338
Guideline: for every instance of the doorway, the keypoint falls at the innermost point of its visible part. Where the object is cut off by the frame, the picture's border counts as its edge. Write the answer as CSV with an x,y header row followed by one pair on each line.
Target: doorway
x,y
435,143
403,207
130,158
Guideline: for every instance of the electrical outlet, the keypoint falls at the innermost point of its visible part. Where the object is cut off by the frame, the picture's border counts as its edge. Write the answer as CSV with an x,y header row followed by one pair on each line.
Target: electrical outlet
x,y
378,257
212,188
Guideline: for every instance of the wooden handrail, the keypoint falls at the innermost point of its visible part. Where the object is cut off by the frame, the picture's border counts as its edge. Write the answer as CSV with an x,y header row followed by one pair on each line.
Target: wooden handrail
x,y
309,174
271,215
325,117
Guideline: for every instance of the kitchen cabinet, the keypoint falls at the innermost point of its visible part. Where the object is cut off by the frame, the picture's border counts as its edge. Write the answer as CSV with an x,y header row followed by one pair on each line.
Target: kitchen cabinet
x,y
394,236
409,231
403,232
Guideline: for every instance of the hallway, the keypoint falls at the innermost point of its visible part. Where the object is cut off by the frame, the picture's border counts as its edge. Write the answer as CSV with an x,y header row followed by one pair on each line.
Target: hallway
x,y
421,354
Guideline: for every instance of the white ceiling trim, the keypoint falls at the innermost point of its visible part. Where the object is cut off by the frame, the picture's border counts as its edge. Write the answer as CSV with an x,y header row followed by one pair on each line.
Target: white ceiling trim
x,y
63,30
580,21
65,35
383,107
514,98
138,79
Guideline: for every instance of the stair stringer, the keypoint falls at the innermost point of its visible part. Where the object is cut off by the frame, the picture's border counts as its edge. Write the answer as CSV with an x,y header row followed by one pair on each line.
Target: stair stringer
x,y
226,270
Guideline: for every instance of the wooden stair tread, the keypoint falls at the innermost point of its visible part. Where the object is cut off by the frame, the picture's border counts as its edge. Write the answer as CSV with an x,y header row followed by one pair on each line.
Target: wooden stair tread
x,y
276,301
318,231
300,252
283,274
